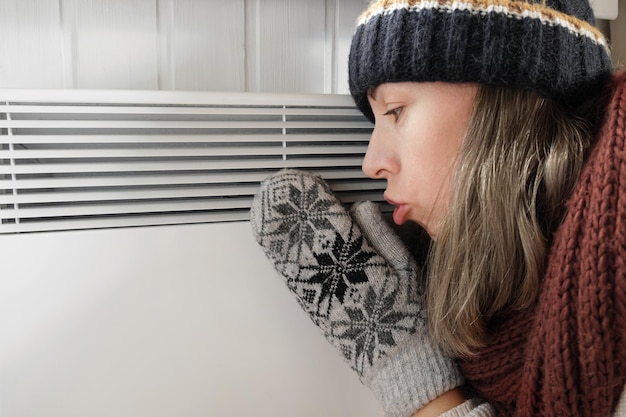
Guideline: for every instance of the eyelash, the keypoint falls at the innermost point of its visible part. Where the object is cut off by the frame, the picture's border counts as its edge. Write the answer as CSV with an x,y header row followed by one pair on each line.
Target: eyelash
x,y
395,112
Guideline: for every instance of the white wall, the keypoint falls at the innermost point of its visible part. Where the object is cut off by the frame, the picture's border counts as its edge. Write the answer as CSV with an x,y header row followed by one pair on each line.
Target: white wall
x,y
618,35
235,45
160,322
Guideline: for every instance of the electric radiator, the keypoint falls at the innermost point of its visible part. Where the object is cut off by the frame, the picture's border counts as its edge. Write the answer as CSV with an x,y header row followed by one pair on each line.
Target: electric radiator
x,y
79,159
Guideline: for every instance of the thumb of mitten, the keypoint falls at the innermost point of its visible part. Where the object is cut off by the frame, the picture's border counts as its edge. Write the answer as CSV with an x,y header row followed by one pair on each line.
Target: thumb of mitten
x,y
416,371
382,237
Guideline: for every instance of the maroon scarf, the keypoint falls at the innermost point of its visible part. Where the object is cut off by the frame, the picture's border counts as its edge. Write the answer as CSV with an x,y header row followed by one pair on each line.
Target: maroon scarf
x,y
567,355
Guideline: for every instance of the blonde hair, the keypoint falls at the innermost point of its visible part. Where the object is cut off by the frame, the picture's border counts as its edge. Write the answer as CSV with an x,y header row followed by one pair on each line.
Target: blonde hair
x,y
517,166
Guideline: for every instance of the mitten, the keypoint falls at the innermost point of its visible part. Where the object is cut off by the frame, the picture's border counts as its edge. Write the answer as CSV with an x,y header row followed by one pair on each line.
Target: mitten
x,y
358,284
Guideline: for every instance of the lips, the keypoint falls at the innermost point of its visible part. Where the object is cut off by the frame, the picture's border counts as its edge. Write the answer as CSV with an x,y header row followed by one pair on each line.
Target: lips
x,y
400,212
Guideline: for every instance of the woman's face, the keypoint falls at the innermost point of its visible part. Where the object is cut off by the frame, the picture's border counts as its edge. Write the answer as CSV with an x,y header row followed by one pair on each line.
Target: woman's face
x,y
417,135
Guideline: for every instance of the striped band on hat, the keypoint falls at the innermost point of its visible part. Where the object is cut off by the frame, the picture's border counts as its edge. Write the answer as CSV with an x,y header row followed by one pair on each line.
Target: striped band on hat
x,y
551,47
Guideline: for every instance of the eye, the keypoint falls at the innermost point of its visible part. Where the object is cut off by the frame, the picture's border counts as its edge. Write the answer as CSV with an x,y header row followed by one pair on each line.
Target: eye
x,y
395,112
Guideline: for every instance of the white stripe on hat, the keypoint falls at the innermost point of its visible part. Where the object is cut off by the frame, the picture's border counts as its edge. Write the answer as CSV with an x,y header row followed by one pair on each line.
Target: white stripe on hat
x,y
521,10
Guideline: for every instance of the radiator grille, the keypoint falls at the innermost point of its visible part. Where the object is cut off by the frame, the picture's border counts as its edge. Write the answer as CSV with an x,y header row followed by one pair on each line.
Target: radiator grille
x,y
99,159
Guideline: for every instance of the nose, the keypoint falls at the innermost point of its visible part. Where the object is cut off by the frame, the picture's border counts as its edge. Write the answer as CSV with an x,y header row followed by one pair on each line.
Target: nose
x,y
378,162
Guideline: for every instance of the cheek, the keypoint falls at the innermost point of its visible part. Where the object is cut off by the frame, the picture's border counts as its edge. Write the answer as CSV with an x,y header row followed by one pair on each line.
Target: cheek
x,y
429,167
433,159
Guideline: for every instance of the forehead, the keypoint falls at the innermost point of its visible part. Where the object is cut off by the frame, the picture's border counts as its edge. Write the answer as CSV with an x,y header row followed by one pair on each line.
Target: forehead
x,y
401,87
421,88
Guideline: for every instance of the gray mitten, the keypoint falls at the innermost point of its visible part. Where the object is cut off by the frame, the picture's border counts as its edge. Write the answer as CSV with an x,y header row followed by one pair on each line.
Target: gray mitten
x,y
359,285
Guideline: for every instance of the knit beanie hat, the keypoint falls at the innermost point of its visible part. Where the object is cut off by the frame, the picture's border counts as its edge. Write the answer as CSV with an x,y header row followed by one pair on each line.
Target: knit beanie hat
x,y
549,46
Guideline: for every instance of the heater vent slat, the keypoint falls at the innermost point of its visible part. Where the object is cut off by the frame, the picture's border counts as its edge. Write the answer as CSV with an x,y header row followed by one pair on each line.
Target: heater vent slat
x,y
80,159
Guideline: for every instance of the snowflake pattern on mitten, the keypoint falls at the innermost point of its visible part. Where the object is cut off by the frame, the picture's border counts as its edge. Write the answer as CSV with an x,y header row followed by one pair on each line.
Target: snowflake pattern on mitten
x,y
363,306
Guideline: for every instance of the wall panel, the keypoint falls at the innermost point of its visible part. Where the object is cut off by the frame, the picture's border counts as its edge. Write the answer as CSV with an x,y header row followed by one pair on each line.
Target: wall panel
x,y
113,43
618,36
238,45
30,51
346,16
207,45
292,45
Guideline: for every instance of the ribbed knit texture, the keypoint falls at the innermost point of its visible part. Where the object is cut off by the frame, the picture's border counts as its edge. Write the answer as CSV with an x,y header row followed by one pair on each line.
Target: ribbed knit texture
x,y
553,49
567,355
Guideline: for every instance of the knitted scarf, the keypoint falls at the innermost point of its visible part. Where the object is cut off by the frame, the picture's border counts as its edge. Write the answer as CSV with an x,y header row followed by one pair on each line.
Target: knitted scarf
x,y
566,356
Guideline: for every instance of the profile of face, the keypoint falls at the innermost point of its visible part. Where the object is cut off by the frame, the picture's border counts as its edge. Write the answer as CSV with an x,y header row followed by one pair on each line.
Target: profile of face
x,y
418,131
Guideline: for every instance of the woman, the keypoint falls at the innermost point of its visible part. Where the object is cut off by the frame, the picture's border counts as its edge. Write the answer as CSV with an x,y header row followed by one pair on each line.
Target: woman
x,y
499,131
504,295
